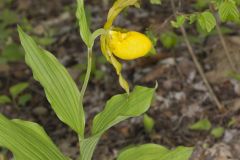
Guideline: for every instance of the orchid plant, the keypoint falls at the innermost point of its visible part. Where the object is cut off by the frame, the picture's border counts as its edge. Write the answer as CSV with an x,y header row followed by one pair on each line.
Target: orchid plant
x,y
28,140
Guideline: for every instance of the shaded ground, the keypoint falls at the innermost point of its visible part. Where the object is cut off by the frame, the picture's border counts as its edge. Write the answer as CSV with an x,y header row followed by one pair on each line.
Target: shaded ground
x,y
181,97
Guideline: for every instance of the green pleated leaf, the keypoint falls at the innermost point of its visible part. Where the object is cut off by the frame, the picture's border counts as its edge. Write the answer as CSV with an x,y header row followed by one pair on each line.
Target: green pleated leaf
x,y
228,11
27,141
61,91
117,109
83,24
180,20
123,106
155,152
87,147
207,21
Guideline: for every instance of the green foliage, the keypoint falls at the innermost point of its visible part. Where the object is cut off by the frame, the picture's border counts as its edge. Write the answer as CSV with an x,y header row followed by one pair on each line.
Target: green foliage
x,y
44,41
217,132
9,50
152,36
15,91
47,70
117,109
155,152
200,4
207,21
218,2
88,146
24,99
85,32
4,99
18,88
193,17
27,140
205,125
121,107
83,23
158,2
237,2
179,21
228,11
201,125
148,123
169,39
11,53
4,34
154,39
8,17
61,91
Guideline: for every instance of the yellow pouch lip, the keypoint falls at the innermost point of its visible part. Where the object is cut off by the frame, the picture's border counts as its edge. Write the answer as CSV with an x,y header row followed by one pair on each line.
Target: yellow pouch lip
x,y
129,45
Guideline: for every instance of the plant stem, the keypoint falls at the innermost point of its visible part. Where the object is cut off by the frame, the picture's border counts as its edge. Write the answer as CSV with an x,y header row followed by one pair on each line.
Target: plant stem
x,y
83,90
197,63
226,51
87,148
88,73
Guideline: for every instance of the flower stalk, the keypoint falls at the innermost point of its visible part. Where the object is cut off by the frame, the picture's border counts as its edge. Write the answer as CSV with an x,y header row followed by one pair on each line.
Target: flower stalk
x,y
88,73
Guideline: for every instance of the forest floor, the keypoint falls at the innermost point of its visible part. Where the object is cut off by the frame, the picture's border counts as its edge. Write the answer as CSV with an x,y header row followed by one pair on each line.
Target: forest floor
x,y
181,97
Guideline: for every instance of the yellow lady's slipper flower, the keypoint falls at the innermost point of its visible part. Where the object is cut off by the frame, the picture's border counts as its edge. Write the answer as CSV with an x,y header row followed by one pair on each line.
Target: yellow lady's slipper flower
x,y
129,45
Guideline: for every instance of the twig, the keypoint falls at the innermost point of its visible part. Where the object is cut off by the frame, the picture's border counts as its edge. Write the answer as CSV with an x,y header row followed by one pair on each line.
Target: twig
x,y
197,64
226,51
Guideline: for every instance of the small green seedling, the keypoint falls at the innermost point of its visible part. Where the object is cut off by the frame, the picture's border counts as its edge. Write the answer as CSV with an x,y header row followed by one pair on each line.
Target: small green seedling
x,y
17,98
201,125
205,125
18,88
148,123
217,132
